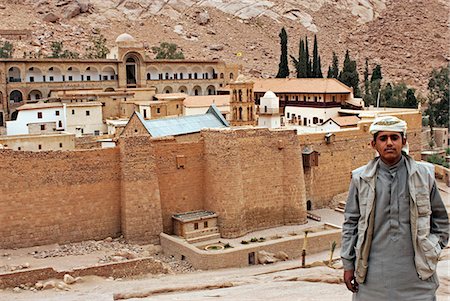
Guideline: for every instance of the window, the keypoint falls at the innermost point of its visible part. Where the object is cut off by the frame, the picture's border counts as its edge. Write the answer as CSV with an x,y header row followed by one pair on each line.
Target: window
x,y
57,113
315,98
167,75
315,120
43,78
158,110
178,106
60,124
60,145
70,78
39,115
334,98
19,148
39,146
31,79
205,224
88,77
195,226
145,113
112,77
51,78
97,133
42,127
288,115
88,113
73,112
63,78
105,77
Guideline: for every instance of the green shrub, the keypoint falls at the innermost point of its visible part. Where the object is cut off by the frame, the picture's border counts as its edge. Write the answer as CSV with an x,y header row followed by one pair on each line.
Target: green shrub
x,y
435,159
244,242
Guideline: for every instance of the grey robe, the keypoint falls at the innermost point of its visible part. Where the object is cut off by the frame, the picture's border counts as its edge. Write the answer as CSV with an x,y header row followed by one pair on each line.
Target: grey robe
x,y
391,274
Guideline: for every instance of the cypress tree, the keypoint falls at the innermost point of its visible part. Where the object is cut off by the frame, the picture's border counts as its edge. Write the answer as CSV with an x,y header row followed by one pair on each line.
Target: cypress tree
x,y
376,73
411,100
283,68
330,72
319,70
367,95
335,67
308,60
303,63
315,65
349,74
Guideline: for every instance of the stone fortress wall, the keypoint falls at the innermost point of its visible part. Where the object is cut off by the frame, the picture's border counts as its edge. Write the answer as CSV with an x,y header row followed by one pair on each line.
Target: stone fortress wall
x,y
252,178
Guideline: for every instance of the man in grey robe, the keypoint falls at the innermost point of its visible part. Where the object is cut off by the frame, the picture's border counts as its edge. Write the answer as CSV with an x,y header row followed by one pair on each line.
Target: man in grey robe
x,y
395,223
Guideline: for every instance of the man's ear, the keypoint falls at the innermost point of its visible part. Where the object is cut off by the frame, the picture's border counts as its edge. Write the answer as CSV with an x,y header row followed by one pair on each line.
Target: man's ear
x,y
404,141
372,143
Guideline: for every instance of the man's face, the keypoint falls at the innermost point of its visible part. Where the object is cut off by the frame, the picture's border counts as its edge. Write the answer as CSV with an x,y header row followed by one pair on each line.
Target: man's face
x,y
389,145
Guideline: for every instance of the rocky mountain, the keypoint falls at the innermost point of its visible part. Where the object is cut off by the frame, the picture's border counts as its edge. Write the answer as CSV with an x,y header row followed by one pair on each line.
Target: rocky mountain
x,y
407,37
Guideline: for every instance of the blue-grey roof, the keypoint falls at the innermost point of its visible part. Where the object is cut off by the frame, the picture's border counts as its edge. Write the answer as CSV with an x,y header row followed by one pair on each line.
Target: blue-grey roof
x,y
185,124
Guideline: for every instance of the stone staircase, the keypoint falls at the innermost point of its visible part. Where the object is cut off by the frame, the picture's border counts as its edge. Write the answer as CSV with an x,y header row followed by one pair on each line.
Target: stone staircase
x,y
340,207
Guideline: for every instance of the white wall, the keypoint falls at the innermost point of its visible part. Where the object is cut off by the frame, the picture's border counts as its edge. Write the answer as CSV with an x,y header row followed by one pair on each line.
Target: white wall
x,y
309,114
25,117
269,121
78,119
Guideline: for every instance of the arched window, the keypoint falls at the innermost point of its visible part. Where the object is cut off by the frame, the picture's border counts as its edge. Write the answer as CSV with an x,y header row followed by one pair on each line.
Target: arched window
x,y
15,96
240,95
240,113
231,76
149,76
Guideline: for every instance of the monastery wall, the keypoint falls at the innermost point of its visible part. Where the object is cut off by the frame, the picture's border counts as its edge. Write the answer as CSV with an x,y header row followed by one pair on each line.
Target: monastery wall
x,y
348,150
58,197
180,168
252,179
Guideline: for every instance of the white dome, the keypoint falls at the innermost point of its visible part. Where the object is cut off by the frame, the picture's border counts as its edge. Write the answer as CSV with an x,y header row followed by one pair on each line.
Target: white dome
x,y
269,94
124,38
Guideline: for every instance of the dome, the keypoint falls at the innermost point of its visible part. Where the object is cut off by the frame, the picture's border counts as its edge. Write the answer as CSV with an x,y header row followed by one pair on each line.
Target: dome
x,y
269,94
124,38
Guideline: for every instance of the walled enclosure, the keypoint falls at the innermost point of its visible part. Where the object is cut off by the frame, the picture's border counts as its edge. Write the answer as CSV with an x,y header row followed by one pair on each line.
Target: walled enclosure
x,y
134,189
252,178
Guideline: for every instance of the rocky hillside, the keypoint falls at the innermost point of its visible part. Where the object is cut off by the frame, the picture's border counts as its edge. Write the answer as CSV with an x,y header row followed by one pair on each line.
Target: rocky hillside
x,y
407,37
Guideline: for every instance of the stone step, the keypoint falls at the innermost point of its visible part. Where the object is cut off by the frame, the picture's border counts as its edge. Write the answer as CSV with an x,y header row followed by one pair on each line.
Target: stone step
x,y
339,209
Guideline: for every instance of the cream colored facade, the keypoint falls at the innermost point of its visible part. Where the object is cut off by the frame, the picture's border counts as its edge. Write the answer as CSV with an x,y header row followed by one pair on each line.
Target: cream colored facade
x,y
39,142
127,67
84,118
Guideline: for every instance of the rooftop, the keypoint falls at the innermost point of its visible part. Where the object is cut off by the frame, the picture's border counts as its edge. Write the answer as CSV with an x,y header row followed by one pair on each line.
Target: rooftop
x,y
207,100
184,125
194,215
345,120
300,85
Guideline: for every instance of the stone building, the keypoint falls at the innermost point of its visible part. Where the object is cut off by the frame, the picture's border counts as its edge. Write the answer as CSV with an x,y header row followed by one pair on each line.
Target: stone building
x,y
306,101
242,104
126,67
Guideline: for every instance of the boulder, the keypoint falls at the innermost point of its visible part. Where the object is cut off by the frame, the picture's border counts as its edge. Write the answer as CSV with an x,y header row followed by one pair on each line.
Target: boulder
x,y
281,256
217,47
51,17
72,10
266,257
84,6
202,18
49,284
69,279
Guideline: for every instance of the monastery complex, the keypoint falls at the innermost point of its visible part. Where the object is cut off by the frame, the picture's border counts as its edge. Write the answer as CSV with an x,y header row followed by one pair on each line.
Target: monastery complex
x,y
182,141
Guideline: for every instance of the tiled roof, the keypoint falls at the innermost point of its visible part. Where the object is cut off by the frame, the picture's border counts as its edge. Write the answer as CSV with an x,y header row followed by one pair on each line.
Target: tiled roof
x,y
206,101
345,120
184,125
300,85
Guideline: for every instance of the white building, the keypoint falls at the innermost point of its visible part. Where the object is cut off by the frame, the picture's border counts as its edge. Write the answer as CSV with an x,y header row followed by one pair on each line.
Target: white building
x,y
269,111
46,118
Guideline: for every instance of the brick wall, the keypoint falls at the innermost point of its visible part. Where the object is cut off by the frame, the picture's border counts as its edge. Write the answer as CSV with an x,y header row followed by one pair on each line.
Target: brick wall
x,y
181,189
252,179
349,150
58,197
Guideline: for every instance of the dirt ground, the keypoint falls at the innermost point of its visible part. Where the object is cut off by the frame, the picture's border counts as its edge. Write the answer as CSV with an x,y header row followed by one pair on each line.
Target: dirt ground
x,y
278,281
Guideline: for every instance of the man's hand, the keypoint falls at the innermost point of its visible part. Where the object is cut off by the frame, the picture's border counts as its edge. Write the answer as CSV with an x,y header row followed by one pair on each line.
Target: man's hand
x,y
350,281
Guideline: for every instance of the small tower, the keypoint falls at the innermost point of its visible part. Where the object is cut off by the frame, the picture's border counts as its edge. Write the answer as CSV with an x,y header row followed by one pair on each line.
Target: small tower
x,y
242,104
269,111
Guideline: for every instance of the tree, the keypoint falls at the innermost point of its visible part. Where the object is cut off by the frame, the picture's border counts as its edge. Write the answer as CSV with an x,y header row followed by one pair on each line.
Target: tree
x,y
283,68
167,51
59,52
98,50
411,100
438,98
308,60
376,73
368,99
6,50
316,68
335,66
349,74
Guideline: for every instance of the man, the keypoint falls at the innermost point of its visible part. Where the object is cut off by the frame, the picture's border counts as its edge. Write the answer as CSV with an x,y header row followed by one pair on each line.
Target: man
x,y
395,223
